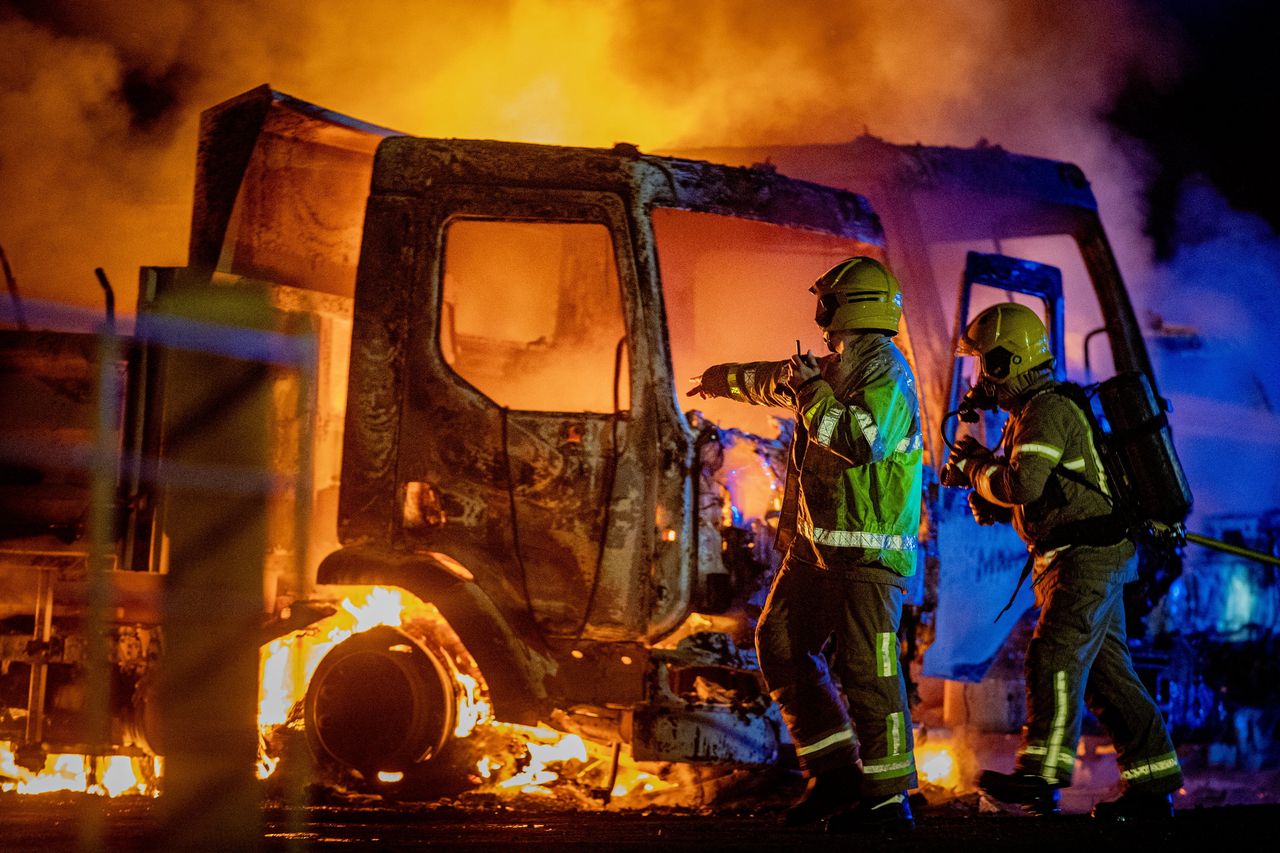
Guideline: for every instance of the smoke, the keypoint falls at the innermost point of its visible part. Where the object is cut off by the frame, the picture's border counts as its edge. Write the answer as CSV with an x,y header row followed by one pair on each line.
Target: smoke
x,y
101,98
1222,285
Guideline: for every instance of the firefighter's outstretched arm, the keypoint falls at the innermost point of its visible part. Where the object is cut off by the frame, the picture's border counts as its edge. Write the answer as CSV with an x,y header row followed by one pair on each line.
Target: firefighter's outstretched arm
x,y
761,383
875,422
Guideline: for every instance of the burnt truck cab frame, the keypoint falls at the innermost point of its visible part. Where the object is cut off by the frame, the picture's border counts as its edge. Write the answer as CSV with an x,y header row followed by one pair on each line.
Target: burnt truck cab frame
x,y
562,543
502,335
561,546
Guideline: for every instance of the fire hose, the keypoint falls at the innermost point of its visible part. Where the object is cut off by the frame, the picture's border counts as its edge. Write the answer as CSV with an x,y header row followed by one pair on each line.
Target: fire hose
x,y
1237,550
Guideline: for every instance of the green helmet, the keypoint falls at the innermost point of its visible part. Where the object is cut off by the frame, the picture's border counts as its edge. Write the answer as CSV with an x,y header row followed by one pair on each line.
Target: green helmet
x,y
859,293
1009,340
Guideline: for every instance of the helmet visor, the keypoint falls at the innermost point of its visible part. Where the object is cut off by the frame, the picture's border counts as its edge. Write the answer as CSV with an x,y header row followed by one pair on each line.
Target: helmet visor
x,y
828,303
996,363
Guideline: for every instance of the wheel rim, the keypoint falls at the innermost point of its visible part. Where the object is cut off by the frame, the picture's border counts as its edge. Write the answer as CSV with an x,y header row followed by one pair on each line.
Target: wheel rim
x,y
379,701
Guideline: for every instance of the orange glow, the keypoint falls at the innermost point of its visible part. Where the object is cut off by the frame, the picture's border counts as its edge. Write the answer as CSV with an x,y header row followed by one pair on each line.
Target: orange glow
x,y
738,290
108,776
527,760
937,765
287,663
538,757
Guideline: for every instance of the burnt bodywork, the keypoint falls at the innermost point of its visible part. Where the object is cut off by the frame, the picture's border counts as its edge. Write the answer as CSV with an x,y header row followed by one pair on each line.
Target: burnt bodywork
x,y
556,515
601,563
559,543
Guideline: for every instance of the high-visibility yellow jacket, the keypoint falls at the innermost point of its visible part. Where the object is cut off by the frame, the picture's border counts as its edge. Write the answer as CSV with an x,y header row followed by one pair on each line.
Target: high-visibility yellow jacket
x,y
854,479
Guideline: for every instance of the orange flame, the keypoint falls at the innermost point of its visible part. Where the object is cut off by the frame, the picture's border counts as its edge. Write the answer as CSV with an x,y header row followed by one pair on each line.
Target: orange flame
x,y
531,758
108,776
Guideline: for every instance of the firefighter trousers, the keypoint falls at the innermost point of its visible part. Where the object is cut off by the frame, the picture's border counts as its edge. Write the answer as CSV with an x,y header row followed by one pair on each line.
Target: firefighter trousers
x,y
1079,654
806,607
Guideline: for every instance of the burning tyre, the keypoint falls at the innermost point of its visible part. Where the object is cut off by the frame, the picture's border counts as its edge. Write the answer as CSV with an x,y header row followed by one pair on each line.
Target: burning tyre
x,y
379,702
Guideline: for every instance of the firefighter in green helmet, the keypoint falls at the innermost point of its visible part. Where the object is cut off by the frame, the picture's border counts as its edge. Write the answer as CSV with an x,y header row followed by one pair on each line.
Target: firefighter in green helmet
x,y
848,529
1049,482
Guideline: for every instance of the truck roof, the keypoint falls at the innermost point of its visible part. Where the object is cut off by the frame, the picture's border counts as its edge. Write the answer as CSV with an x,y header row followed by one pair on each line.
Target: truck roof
x,y
281,186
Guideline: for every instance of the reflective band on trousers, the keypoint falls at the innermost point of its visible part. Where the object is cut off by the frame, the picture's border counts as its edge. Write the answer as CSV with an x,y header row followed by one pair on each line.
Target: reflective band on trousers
x,y
829,740
1163,765
886,654
894,765
857,539
1058,731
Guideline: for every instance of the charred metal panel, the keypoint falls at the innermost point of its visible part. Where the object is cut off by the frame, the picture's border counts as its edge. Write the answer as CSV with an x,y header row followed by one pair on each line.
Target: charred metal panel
x,y
280,191
711,734
528,496
418,166
47,432
707,703
514,671
603,674
375,387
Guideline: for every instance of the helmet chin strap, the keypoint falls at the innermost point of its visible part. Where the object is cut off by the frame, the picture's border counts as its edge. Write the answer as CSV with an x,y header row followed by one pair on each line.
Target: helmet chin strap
x,y
1011,392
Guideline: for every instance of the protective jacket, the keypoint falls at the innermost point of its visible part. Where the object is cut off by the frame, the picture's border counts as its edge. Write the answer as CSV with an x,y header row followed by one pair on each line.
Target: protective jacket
x,y
1050,474
1052,478
854,479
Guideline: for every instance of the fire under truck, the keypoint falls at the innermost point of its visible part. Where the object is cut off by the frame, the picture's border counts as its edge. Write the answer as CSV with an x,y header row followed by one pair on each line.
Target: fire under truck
x,y
496,339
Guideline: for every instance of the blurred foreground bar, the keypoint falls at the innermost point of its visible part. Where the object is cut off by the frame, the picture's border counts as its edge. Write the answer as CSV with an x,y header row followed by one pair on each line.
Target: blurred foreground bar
x,y
216,412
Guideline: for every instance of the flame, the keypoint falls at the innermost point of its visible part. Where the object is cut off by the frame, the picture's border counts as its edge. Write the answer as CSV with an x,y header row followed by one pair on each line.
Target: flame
x,y
546,747
109,776
473,709
538,758
286,665
524,760
938,764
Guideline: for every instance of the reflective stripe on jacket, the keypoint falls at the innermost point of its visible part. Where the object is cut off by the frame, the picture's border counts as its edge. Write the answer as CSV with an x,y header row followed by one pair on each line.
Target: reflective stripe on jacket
x,y
854,479
1045,433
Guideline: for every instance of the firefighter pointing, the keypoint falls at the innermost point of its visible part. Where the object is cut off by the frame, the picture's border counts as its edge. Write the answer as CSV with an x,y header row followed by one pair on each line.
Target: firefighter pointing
x,y
848,529
1050,482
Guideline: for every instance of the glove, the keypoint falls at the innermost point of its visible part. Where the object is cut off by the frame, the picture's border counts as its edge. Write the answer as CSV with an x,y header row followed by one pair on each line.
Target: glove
x,y
987,513
956,471
953,475
714,382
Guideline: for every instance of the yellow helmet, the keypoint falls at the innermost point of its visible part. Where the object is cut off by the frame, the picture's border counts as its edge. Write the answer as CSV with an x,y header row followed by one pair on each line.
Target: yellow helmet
x,y
1009,340
859,293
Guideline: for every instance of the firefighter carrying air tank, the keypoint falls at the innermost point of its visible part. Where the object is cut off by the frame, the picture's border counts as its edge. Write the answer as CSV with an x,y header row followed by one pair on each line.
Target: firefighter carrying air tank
x,y
1051,482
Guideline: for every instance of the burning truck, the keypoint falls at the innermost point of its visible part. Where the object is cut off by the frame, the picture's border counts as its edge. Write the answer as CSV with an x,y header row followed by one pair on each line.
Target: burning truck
x,y
484,500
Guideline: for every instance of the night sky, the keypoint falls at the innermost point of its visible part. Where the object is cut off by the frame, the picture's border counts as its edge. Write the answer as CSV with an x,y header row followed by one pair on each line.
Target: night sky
x,y
1215,119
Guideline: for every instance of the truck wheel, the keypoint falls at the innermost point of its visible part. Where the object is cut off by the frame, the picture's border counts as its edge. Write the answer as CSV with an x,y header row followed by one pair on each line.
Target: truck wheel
x,y
379,702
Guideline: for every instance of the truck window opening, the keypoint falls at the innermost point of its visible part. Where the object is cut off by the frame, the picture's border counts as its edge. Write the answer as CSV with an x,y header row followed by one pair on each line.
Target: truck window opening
x,y
738,290
532,314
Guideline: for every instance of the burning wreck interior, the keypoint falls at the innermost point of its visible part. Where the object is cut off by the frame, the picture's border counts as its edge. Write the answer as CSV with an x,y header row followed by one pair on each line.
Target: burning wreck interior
x,y
408,436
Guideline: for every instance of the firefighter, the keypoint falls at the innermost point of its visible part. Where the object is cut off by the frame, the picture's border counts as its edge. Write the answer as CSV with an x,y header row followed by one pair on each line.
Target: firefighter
x,y
1050,483
848,529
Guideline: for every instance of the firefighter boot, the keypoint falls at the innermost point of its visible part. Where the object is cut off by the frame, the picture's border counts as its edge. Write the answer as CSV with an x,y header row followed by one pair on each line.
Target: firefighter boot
x,y
1033,793
828,792
1135,805
875,814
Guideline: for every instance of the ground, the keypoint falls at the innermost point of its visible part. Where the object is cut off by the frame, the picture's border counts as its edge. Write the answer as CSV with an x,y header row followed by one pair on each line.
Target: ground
x,y
48,823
